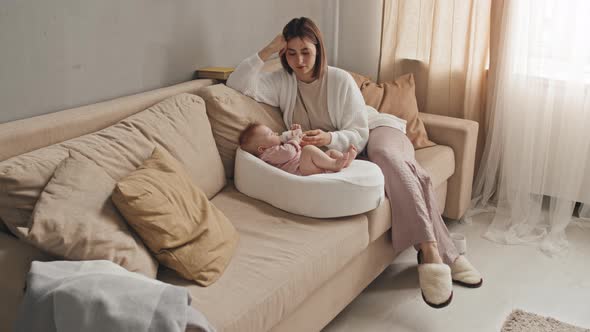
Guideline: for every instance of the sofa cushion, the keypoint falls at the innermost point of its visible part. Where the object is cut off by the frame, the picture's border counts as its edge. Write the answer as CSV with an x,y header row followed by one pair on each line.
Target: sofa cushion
x,y
397,98
230,112
175,219
438,161
75,219
280,260
178,123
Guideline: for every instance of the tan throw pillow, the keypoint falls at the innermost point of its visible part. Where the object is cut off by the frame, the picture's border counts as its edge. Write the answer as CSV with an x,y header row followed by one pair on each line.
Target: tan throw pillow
x,y
75,219
397,98
229,113
185,231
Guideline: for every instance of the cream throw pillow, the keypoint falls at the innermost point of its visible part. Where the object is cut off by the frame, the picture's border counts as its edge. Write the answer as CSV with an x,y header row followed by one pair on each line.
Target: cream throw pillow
x,y
185,231
75,219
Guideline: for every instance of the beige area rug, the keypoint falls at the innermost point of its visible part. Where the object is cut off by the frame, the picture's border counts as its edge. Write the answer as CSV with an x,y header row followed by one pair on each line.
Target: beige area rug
x,y
522,321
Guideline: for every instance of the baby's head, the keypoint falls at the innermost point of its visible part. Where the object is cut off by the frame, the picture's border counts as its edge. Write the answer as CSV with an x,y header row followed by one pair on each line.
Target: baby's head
x,y
257,137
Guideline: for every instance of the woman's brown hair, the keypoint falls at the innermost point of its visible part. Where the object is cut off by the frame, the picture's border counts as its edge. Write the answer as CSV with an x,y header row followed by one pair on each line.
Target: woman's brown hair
x,y
304,28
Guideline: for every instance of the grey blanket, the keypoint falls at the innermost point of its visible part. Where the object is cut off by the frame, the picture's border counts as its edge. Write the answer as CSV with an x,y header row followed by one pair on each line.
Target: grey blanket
x,y
102,296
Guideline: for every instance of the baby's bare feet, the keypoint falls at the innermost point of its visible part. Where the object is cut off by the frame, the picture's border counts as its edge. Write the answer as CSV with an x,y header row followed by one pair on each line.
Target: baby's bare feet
x,y
352,153
341,162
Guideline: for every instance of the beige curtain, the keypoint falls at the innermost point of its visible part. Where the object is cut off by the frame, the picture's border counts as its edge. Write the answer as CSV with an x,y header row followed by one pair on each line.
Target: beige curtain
x,y
445,44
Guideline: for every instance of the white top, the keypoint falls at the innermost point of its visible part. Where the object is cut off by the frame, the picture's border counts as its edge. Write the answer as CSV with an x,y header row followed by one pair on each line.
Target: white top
x,y
345,101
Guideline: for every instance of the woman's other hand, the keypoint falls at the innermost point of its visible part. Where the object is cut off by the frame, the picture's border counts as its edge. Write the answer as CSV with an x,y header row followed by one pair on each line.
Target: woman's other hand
x,y
316,137
277,45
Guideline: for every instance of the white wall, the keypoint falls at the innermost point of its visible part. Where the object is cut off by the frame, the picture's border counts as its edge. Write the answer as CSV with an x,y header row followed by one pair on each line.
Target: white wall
x,y
359,36
60,54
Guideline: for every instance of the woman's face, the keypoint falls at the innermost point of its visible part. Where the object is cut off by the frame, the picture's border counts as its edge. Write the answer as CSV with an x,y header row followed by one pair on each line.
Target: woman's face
x,y
300,56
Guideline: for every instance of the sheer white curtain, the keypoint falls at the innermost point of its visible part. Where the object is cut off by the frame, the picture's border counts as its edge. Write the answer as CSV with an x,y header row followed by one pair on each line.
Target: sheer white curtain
x,y
536,161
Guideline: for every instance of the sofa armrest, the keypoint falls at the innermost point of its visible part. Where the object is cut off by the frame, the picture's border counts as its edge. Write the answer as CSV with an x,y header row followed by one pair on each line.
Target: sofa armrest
x,y
461,136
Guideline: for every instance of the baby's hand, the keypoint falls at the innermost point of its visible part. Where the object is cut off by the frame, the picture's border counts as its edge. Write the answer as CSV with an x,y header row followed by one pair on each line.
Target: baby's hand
x,y
294,134
297,133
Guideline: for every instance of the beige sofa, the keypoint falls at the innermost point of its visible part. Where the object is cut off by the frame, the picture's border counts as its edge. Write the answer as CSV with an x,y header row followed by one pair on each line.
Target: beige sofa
x,y
289,273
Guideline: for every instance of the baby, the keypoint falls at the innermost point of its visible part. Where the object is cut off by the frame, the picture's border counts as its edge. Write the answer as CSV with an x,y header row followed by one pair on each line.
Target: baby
x,y
285,152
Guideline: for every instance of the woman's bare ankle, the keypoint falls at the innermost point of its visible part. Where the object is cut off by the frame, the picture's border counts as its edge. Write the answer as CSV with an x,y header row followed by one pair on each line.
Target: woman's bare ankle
x,y
430,253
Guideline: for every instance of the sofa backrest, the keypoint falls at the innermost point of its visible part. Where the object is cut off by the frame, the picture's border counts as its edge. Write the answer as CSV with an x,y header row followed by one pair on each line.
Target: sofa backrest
x,y
33,134
18,137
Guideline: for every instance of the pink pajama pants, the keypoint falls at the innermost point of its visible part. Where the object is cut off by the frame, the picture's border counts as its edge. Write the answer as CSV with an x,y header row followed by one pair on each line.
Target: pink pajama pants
x,y
415,215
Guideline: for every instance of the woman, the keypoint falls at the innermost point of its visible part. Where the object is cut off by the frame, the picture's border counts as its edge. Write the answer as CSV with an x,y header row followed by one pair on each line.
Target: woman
x,y
329,106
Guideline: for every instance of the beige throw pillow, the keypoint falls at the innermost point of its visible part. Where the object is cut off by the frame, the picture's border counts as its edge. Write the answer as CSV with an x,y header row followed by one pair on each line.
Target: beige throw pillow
x,y
185,231
75,219
397,98
178,123
230,112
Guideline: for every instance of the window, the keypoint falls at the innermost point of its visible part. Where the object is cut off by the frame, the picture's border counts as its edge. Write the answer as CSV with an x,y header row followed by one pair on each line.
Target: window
x,y
552,39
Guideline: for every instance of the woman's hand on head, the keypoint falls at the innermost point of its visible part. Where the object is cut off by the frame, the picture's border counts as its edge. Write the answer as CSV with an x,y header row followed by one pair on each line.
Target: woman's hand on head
x,y
316,137
277,45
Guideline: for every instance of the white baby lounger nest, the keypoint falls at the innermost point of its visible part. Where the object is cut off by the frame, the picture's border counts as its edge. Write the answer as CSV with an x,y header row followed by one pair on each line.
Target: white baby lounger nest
x,y
356,189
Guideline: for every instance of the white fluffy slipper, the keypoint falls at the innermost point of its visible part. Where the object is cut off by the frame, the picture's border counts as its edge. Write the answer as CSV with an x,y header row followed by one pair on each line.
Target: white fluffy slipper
x,y
436,284
465,274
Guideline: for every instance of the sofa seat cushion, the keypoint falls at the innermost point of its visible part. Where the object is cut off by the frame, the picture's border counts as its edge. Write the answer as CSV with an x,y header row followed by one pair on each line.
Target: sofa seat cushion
x,y
280,260
439,162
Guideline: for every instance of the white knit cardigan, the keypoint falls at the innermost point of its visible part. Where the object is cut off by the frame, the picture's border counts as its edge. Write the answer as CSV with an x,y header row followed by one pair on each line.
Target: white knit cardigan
x,y
346,105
